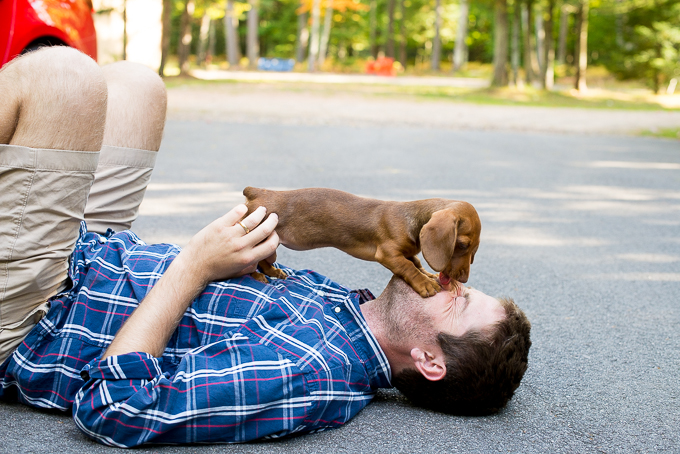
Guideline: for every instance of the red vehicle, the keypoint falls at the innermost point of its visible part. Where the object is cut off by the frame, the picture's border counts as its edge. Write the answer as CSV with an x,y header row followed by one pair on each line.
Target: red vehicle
x,y
26,25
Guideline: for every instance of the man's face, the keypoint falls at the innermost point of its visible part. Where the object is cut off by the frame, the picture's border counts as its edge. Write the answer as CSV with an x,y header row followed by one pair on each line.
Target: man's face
x,y
463,309
454,312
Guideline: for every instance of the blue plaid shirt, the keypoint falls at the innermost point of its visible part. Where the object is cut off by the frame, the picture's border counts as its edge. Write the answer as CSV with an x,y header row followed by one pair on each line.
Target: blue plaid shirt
x,y
247,361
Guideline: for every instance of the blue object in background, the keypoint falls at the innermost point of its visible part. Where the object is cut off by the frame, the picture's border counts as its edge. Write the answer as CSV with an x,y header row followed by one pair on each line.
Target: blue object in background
x,y
275,64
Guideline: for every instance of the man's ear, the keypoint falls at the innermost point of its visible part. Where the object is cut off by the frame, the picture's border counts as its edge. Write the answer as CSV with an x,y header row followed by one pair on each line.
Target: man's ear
x,y
431,366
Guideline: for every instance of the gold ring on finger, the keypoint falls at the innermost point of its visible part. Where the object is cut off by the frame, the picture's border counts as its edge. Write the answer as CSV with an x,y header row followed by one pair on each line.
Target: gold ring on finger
x,y
247,230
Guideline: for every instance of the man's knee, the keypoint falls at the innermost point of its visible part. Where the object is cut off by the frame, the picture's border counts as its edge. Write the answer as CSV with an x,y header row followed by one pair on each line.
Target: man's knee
x,y
55,98
137,106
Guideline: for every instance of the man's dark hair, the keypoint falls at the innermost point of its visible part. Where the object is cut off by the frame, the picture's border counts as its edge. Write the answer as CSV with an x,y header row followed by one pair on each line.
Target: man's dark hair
x,y
483,369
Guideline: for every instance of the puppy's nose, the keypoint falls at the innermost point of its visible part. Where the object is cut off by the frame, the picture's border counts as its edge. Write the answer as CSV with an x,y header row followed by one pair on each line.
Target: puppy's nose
x,y
463,275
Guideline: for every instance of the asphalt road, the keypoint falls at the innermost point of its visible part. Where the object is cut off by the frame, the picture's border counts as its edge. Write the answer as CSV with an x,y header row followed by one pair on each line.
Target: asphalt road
x,y
582,231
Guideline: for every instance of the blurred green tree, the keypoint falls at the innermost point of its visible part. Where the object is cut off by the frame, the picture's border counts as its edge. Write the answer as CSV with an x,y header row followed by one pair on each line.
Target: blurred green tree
x,y
633,39
639,40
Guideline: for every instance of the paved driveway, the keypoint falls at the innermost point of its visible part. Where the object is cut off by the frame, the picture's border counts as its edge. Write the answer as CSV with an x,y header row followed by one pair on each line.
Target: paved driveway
x,y
583,231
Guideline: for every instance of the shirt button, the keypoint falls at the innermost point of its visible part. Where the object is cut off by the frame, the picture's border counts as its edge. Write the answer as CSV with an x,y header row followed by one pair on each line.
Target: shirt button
x,y
337,309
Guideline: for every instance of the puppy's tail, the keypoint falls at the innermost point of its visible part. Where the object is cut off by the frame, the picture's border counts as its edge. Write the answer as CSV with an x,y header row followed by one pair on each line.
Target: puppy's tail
x,y
251,193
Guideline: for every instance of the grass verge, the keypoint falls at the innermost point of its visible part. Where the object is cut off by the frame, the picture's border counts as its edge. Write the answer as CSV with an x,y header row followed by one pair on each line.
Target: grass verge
x,y
597,98
666,133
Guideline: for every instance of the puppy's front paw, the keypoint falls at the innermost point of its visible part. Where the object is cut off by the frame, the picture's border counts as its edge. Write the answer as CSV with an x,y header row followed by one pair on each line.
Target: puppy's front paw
x,y
430,275
426,287
278,274
271,271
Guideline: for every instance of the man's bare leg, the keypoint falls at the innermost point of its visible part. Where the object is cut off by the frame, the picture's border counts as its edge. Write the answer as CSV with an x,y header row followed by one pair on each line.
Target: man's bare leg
x,y
135,116
135,119
51,129
53,98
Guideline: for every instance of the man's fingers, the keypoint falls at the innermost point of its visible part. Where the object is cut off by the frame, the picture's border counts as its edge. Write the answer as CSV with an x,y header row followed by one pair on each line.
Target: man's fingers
x,y
271,259
267,247
253,219
262,231
263,251
248,270
235,214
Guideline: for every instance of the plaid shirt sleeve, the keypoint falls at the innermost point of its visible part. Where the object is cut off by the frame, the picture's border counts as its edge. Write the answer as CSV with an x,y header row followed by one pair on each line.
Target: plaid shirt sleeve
x,y
230,391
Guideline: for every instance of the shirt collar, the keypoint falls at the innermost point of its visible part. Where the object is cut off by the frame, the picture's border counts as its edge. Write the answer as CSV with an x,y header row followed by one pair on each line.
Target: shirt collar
x,y
374,358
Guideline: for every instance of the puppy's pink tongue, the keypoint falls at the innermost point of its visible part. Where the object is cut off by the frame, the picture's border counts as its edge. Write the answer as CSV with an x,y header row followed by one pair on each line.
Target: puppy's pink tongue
x,y
444,279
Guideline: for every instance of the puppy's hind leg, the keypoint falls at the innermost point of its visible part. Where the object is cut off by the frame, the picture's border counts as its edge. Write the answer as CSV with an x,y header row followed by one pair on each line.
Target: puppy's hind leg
x,y
268,270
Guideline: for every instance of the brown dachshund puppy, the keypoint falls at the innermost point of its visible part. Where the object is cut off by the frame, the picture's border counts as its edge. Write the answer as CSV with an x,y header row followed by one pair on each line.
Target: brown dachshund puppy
x,y
391,233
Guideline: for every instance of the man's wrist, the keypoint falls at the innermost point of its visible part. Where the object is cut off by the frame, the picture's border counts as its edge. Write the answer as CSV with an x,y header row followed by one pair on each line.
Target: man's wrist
x,y
191,268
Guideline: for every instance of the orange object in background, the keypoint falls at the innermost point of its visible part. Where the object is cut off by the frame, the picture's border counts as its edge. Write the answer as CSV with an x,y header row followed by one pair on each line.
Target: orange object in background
x,y
28,24
383,66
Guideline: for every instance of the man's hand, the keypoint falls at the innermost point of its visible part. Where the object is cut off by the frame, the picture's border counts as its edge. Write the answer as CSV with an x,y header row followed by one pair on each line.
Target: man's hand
x,y
221,250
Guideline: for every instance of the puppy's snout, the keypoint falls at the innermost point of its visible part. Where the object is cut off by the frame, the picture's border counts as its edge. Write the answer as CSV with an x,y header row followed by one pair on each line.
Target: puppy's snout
x,y
463,274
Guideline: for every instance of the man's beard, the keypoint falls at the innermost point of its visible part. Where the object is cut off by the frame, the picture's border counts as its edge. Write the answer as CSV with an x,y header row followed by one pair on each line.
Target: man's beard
x,y
404,315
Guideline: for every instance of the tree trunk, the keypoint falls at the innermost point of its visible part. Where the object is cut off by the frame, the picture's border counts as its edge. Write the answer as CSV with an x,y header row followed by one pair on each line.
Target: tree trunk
x,y
211,43
535,67
618,27
302,37
165,40
231,25
402,34
549,55
389,49
500,45
125,34
460,51
314,47
341,54
564,25
582,56
326,36
514,44
185,37
252,41
540,44
527,22
373,32
436,42
373,29
203,38
657,72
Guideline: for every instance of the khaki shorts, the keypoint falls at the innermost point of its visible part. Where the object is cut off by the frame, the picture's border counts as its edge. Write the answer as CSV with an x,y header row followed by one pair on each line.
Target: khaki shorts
x,y
43,198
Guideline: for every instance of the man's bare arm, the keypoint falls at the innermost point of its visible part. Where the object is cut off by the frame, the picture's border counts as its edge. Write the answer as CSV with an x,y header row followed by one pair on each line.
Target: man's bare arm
x,y
219,251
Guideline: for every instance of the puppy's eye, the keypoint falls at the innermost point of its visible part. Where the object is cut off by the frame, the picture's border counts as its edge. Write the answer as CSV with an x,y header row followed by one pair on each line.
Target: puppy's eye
x,y
462,246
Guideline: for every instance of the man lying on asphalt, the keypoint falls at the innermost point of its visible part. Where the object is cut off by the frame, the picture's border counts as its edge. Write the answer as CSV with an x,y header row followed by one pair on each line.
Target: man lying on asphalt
x,y
210,354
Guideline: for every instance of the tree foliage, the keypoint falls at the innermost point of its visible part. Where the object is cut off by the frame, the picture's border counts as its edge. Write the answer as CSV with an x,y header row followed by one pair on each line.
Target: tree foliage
x,y
639,40
632,38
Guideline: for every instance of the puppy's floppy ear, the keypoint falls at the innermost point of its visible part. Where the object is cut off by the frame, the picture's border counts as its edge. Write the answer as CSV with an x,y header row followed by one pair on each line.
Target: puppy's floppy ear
x,y
438,238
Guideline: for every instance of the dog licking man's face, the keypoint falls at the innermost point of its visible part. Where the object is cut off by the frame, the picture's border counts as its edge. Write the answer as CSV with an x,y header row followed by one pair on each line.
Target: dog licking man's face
x,y
450,241
458,268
